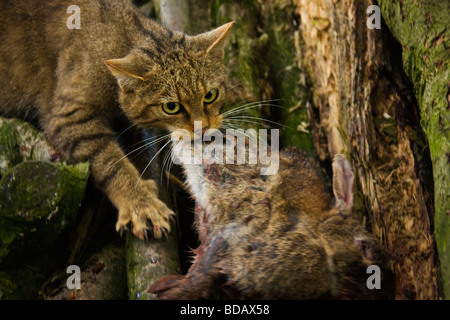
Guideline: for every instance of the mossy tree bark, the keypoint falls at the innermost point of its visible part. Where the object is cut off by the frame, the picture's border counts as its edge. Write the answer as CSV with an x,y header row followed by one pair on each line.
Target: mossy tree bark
x,y
367,111
423,30
39,201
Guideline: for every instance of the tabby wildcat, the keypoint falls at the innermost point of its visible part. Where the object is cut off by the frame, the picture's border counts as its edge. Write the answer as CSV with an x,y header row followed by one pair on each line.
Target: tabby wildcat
x,y
77,81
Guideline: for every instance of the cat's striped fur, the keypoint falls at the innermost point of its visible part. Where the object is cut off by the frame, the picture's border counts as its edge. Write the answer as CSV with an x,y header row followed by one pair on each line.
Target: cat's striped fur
x,y
75,82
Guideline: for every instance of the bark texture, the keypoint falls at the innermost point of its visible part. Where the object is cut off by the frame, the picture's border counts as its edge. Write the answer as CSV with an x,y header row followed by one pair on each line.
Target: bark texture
x,y
423,30
364,108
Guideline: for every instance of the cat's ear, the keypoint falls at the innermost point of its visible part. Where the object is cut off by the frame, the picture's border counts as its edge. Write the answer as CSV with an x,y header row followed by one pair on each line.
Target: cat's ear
x,y
124,70
215,40
342,182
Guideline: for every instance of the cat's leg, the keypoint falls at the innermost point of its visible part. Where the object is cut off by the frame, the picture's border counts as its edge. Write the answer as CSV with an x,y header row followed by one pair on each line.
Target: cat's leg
x,y
202,275
83,135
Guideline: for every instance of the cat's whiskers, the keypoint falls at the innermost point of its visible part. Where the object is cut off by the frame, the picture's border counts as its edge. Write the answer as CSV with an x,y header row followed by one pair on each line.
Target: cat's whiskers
x,y
148,139
164,162
146,145
151,160
241,110
254,120
167,162
153,140
158,136
129,127
239,107
256,104
173,151
235,128
231,88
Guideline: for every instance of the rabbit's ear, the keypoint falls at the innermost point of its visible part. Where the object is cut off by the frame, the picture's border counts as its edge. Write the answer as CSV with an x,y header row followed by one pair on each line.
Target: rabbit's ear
x,y
343,178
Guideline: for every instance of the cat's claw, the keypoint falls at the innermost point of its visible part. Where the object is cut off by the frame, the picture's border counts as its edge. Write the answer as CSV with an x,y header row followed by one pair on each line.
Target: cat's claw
x,y
165,232
145,213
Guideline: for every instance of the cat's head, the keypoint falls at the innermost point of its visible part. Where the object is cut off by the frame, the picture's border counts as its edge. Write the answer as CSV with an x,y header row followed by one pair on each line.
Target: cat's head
x,y
171,80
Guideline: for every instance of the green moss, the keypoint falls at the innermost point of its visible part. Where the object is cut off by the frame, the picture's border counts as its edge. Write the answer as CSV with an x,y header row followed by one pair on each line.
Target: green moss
x,y
387,127
38,201
149,260
20,141
24,280
242,57
9,148
265,65
12,286
423,30
285,77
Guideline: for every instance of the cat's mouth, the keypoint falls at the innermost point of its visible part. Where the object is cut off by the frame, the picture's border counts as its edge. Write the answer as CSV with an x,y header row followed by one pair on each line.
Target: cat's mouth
x,y
235,147
210,147
184,138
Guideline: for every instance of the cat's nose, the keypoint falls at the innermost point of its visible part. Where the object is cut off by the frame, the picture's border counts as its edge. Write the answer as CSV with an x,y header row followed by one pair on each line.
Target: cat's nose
x,y
205,129
202,131
199,132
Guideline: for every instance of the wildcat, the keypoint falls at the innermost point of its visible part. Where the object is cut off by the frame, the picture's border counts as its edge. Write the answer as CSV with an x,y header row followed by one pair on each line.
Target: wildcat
x,y
281,236
77,82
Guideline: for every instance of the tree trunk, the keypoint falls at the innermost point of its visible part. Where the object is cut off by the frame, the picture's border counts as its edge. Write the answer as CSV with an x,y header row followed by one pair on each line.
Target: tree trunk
x,y
423,31
366,110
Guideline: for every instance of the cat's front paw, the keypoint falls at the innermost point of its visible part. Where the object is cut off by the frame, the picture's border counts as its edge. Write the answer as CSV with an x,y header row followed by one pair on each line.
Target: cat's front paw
x,y
145,212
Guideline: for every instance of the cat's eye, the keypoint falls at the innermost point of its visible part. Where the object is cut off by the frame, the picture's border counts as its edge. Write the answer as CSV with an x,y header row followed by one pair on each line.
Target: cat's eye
x,y
172,107
211,96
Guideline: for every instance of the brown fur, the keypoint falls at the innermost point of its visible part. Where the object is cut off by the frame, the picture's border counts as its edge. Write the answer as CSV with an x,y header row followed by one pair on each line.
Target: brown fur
x,y
77,81
277,237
